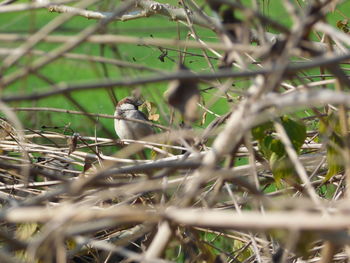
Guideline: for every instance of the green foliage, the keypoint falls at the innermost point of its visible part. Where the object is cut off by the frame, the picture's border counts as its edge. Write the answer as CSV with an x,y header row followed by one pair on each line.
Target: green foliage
x,y
242,250
296,131
233,246
329,129
273,149
327,190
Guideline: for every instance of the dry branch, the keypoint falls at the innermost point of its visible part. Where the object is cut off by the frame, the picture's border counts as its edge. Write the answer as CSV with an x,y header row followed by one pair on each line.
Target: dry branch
x,y
192,217
191,188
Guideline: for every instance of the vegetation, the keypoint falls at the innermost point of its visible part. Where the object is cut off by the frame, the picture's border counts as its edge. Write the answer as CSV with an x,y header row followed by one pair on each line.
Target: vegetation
x,y
249,100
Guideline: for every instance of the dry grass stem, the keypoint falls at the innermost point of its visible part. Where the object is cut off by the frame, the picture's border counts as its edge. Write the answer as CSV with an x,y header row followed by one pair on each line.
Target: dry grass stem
x,y
256,169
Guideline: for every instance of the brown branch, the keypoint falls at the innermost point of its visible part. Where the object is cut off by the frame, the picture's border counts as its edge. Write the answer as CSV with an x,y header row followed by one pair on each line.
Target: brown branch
x,y
107,116
191,217
117,39
5,6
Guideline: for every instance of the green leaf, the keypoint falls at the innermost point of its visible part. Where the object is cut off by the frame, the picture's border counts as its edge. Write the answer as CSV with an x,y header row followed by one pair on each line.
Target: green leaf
x,y
335,163
273,149
265,146
269,144
261,131
237,246
331,128
335,159
296,132
277,147
282,168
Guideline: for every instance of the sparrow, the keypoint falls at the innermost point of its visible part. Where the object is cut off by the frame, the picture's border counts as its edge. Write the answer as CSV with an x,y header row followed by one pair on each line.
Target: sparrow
x,y
128,108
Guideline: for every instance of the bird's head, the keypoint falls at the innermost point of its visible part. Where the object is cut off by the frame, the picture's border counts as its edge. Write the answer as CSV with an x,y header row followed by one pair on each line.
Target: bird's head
x,y
129,103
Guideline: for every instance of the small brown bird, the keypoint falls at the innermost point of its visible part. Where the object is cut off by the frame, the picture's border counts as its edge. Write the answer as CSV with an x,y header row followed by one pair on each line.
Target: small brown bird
x,y
128,108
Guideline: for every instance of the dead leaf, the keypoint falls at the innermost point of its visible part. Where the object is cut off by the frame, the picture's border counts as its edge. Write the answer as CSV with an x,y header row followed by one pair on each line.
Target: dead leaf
x,y
72,142
150,109
6,129
184,96
153,117
89,160
344,25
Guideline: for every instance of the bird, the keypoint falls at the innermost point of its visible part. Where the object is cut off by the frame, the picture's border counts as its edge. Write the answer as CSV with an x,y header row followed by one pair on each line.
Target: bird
x,y
126,129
